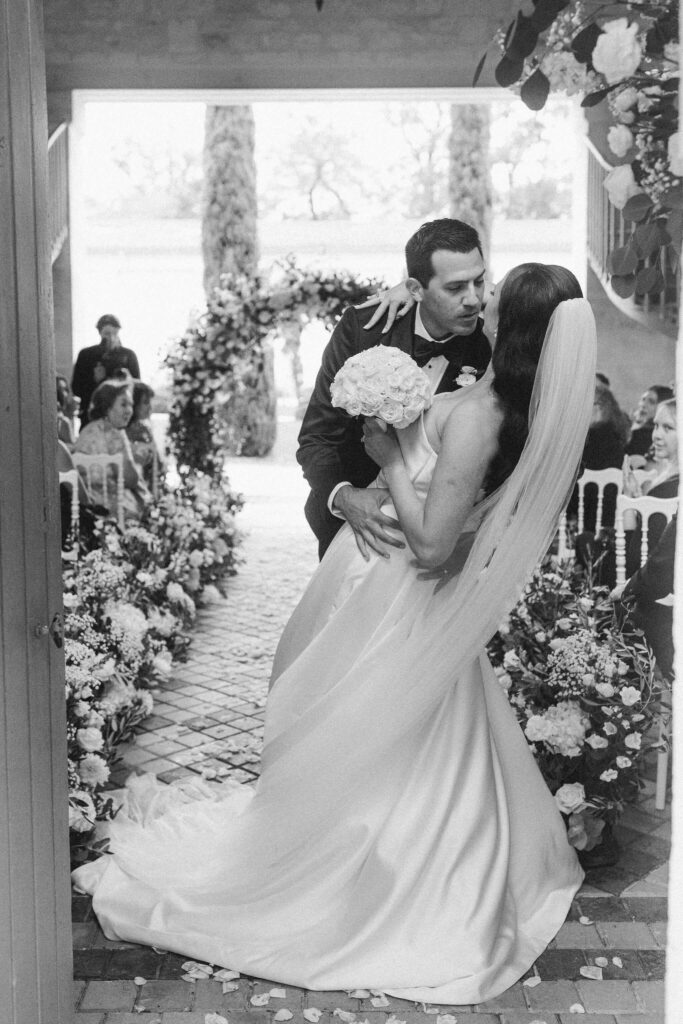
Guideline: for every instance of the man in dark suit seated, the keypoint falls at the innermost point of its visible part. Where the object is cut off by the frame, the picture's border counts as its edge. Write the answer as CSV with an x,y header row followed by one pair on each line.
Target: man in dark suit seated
x,y
443,333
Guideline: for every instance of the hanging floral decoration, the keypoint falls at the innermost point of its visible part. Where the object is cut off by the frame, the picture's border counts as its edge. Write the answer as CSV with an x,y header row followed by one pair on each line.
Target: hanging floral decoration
x,y
584,692
626,54
216,355
129,605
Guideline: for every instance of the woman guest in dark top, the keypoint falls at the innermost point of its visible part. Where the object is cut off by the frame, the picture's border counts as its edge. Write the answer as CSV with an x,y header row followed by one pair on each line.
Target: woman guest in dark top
x,y
643,419
604,449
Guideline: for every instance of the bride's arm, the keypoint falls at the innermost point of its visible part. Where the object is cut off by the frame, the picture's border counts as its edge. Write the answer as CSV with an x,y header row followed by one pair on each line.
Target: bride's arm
x,y
468,444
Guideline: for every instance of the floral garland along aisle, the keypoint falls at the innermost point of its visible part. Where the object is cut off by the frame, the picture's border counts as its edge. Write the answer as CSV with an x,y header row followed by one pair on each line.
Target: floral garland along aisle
x,y
627,55
129,604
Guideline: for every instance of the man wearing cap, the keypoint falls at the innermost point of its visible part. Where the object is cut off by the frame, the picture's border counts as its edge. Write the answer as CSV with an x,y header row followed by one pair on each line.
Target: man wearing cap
x,y
101,362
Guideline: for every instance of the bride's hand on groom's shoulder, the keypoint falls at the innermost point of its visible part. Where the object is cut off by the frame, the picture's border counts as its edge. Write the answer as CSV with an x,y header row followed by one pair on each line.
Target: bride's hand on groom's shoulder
x,y
395,302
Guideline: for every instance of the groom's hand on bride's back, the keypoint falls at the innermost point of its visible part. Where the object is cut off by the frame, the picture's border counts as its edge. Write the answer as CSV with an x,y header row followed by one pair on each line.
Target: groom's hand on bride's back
x,y
361,508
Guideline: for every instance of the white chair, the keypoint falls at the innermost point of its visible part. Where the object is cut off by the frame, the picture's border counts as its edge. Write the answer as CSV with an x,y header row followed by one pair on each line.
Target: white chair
x,y
646,506
69,477
96,473
602,478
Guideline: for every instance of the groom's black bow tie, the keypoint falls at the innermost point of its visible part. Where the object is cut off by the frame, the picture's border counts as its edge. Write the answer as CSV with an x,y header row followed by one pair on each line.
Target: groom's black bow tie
x,y
424,350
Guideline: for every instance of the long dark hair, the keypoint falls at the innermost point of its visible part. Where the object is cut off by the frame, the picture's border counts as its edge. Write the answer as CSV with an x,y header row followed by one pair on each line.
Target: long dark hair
x,y
528,297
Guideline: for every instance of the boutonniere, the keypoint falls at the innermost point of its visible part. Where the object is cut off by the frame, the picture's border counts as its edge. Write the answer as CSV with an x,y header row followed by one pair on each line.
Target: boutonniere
x,y
467,376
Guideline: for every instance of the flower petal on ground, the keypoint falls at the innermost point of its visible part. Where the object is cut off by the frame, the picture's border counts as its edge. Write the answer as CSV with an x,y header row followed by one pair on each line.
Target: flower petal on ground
x,y
601,961
346,1015
594,973
313,1014
379,1001
261,1000
359,993
585,920
139,981
214,1018
617,961
225,975
577,1008
532,982
278,993
283,1015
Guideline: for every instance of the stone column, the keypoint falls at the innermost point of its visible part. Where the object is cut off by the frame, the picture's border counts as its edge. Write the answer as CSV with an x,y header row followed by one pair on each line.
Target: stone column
x,y
35,935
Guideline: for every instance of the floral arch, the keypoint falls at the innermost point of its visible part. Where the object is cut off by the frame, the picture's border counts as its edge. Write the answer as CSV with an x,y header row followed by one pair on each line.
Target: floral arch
x,y
224,353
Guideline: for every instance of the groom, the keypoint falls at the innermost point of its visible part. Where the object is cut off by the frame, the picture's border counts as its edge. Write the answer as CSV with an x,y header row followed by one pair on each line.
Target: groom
x,y
443,333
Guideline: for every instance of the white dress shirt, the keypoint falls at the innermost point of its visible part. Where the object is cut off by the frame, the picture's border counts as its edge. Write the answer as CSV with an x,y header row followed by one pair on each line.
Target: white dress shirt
x,y
434,369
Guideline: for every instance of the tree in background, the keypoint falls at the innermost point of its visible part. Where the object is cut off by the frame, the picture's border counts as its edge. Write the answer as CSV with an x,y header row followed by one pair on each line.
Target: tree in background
x,y
469,168
230,245
424,129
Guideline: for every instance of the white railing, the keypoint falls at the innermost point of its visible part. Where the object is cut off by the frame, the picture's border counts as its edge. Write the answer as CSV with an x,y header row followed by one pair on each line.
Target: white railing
x,y
608,230
58,189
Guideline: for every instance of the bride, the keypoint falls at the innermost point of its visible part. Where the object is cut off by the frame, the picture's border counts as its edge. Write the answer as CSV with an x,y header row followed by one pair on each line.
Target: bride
x,y
401,837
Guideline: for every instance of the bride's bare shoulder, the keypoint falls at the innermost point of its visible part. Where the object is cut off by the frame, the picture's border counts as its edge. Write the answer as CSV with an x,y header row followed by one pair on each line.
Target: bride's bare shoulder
x,y
477,409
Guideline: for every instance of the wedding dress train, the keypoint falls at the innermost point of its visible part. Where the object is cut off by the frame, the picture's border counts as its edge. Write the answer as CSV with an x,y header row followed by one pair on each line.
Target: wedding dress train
x,y
401,837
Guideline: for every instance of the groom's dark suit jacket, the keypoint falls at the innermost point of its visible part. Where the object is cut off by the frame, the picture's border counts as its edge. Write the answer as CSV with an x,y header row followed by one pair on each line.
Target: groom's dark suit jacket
x,y
330,448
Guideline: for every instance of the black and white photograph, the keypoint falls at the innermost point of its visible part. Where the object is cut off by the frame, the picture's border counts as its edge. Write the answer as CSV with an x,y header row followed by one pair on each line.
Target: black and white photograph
x,y
338,523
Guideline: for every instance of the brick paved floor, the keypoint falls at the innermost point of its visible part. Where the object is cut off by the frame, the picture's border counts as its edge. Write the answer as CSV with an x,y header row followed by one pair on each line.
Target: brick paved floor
x,y
209,719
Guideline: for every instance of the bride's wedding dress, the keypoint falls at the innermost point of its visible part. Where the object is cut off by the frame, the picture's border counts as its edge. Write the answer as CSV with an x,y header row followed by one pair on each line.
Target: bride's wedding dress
x,y
401,837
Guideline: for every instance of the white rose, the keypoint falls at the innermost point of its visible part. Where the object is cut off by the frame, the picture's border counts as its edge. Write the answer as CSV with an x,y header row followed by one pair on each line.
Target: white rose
x,y
89,739
625,99
609,775
624,762
675,151
564,624
630,695
596,742
196,557
620,139
605,689
540,636
633,741
609,728
618,51
621,185
570,797
588,679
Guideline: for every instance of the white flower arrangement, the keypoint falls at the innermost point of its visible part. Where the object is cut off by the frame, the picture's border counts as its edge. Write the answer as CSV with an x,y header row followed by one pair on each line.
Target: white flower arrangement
x,y
127,608
583,694
383,382
631,62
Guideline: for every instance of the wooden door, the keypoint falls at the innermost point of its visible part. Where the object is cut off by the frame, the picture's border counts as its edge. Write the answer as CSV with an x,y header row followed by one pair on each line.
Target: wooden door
x,y
35,934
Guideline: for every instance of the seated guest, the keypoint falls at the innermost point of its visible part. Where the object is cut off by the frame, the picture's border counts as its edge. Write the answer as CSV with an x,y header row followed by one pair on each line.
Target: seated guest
x,y
66,408
640,597
643,419
139,431
663,485
110,411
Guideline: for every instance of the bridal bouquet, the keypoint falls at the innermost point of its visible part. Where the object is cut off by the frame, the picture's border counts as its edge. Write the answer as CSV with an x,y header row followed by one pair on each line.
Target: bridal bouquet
x,y
383,382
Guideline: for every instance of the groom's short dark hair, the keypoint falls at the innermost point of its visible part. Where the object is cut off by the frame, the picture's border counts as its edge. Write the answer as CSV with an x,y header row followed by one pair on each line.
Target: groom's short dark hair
x,y
446,233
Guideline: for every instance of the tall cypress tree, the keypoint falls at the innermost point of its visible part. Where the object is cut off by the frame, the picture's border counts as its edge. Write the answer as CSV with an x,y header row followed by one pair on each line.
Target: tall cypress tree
x,y
230,244
469,173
